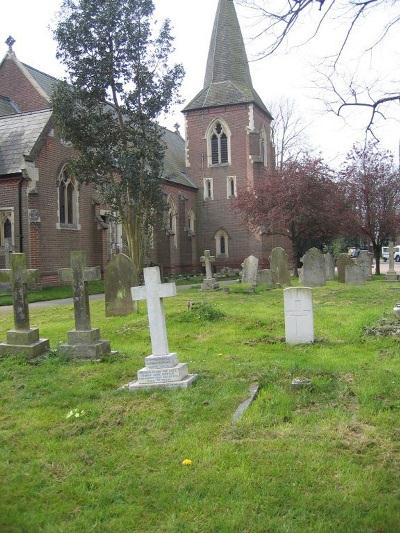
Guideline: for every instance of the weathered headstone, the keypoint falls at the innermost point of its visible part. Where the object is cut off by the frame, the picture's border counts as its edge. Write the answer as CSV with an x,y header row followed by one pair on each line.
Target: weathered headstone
x,y
264,277
162,368
118,280
209,283
354,275
280,267
364,261
23,339
250,270
84,342
391,274
329,267
299,319
313,268
342,261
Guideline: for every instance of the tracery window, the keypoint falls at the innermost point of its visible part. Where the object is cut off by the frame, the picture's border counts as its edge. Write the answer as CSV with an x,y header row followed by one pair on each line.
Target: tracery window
x,y
6,226
218,143
67,200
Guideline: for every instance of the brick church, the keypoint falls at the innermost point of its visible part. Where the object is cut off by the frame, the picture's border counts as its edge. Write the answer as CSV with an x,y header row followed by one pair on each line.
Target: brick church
x,y
47,213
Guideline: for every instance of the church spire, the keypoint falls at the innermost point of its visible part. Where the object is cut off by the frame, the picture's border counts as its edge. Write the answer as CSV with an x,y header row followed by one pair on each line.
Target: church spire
x,y
227,80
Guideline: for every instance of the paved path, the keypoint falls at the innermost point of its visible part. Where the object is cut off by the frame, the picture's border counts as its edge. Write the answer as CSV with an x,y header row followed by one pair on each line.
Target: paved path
x,y
95,297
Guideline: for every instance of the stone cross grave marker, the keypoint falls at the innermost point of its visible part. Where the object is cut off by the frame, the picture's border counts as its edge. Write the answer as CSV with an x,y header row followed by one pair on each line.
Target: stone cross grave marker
x,y
118,280
250,270
280,267
209,283
342,262
313,268
84,342
162,368
391,274
299,319
23,339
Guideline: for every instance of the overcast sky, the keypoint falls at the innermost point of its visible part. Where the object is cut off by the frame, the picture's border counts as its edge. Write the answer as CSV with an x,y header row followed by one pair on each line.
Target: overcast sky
x,y
289,73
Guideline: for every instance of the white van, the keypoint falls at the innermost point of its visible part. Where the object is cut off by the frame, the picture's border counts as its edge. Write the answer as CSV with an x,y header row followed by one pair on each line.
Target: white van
x,y
385,253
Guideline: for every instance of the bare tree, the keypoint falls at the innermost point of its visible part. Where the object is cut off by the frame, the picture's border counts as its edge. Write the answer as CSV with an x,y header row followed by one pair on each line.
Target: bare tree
x,y
288,131
278,19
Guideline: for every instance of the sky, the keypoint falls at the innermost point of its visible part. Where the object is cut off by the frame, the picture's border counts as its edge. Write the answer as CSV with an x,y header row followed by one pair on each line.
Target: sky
x,y
289,73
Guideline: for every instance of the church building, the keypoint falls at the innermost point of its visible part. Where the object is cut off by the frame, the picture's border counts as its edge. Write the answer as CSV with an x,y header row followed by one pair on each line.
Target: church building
x,y
46,213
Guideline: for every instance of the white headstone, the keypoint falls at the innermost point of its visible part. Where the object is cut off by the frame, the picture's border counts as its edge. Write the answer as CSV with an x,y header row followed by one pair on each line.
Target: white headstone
x,y
162,369
299,318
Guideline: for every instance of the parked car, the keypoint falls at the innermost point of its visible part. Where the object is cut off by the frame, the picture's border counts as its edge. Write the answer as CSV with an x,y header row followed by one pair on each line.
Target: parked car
x,y
385,253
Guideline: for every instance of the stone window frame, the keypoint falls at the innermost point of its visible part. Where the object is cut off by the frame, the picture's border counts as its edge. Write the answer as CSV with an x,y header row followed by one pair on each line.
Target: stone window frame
x,y
229,181
7,213
264,146
191,222
172,220
208,188
210,132
219,235
68,180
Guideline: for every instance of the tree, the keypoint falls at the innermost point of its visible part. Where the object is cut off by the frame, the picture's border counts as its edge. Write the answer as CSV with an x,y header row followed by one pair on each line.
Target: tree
x,y
120,81
279,20
288,131
371,187
300,202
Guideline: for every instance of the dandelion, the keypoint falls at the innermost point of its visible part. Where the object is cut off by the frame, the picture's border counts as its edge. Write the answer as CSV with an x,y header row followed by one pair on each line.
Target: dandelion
x,y
187,462
75,413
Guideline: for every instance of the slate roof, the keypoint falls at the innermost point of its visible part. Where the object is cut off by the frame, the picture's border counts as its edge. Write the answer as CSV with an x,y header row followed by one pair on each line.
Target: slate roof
x,y
228,79
7,106
174,160
45,81
18,136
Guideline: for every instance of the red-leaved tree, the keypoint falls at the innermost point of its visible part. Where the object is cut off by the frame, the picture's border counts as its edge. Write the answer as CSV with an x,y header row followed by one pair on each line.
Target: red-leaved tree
x,y
371,186
300,202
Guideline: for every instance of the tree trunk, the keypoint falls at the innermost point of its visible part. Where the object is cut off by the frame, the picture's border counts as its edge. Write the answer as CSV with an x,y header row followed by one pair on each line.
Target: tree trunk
x,y
135,241
377,254
296,259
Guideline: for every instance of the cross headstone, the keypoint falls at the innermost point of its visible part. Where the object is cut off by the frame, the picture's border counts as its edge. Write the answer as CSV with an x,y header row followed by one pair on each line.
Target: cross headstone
x,y
313,268
162,367
118,280
299,319
209,283
23,339
83,342
280,267
391,274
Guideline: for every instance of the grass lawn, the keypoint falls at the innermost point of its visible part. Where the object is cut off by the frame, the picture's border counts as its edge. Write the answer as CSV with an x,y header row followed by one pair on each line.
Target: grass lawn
x,y
325,459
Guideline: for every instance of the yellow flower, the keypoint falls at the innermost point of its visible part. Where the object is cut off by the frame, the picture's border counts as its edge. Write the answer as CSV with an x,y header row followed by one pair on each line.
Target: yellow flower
x,y
187,462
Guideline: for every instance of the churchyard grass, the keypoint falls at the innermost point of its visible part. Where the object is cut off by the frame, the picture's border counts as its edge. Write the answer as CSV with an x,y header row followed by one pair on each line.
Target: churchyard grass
x,y
324,458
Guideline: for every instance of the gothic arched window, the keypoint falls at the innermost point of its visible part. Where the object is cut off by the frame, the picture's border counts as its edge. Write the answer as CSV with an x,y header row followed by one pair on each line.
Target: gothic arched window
x,y
6,226
222,243
172,220
7,229
218,143
191,221
67,200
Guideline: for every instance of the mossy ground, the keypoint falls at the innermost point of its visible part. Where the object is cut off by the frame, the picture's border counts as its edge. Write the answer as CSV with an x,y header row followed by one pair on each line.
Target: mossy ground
x,y
326,458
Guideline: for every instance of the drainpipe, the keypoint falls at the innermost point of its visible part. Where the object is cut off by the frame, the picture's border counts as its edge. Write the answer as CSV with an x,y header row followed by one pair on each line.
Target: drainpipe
x,y
21,229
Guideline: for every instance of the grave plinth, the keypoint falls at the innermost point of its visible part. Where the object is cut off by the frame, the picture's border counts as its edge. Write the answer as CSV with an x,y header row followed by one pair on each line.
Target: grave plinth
x,y
23,339
162,368
84,342
209,283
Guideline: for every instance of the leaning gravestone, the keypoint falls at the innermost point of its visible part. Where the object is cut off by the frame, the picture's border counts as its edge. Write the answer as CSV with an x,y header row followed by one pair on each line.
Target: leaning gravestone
x,y
354,275
280,267
119,277
209,283
22,339
264,277
162,369
364,261
250,270
84,342
329,267
313,268
342,262
299,319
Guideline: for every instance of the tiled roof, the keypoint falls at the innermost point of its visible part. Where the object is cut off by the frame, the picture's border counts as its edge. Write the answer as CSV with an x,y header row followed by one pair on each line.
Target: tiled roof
x,y
18,136
228,79
7,106
45,81
174,160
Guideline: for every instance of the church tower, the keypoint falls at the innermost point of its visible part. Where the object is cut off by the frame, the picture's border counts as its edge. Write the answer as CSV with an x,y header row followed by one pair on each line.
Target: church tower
x,y
228,143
